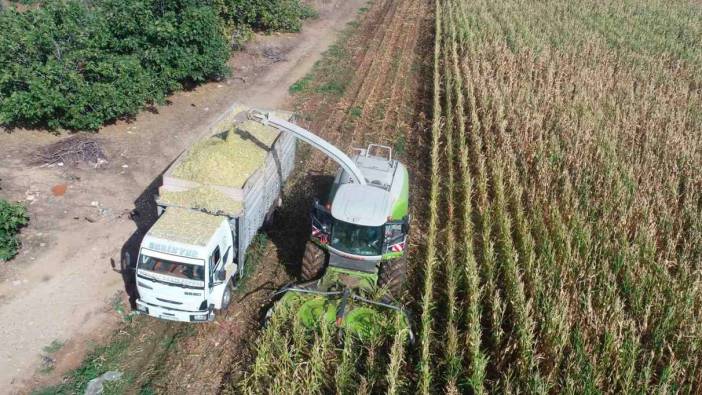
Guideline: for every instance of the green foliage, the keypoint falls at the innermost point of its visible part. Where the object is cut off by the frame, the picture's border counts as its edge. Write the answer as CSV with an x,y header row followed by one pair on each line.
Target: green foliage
x,y
276,15
76,66
53,347
355,112
12,217
300,85
99,361
25,2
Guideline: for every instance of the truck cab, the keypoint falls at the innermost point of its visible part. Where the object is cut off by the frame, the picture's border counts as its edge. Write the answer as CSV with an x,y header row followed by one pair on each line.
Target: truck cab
x,y
186,265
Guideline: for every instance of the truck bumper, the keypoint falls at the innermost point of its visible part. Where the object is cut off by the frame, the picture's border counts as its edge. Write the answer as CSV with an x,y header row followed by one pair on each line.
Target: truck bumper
x,y
165,313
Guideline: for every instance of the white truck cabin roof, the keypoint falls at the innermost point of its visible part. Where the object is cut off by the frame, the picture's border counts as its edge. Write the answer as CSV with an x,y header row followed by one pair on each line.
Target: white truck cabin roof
x,y
186,226
362,205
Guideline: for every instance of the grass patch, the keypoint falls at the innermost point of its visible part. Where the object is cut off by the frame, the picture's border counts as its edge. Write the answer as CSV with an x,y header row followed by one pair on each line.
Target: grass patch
x,y
355,112
399,146
330,75
332,88
301,85
99,361
53,347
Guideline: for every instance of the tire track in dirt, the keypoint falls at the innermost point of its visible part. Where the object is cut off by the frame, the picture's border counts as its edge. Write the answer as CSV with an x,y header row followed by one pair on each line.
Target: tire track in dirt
x,y
330,126
379,72
333,127
372,73
382,70
398,96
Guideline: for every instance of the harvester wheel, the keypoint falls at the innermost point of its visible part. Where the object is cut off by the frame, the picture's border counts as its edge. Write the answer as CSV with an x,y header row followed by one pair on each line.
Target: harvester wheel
x,y
312,262
393,274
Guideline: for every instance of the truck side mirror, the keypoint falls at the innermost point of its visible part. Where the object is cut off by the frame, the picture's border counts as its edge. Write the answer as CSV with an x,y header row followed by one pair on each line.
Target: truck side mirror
x,y
126,262
221,275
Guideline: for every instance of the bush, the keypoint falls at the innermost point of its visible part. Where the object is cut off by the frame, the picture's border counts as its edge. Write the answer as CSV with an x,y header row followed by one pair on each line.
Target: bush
x,y
277,15
75,66
12,217
78,64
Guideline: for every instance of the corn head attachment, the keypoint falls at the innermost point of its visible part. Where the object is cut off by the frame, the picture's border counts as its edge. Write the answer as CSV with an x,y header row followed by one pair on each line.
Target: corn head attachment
x,y
349,311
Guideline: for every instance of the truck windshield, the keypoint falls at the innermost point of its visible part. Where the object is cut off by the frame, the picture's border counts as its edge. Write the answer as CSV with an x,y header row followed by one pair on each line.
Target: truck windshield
x,y
172,271
357,239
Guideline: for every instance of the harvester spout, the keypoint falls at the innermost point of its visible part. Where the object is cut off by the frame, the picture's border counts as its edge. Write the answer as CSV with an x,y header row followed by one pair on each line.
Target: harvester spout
x,y
310,138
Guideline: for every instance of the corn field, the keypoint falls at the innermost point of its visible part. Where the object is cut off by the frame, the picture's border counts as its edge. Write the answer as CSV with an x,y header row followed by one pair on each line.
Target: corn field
x,y
569,151
563,245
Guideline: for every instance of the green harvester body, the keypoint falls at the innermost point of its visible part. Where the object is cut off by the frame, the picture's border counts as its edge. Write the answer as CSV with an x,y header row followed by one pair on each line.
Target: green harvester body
x,y
355,261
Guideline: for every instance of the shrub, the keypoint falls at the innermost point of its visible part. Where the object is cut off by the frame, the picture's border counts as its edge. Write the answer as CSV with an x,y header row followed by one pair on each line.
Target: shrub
x,y
12,217
277,15
75,66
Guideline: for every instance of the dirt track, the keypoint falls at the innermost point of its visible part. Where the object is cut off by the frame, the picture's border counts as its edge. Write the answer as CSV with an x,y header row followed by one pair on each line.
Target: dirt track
x,y
63,284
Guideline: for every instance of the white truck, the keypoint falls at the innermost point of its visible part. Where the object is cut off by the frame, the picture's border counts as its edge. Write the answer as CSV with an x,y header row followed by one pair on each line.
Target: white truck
x,y
191,258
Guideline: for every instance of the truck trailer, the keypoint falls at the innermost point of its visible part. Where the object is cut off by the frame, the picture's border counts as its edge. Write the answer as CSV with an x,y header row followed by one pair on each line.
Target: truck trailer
x,y
192,257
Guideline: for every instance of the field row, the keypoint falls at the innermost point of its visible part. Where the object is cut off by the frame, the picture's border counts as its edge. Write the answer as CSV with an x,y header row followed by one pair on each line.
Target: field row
x,y
566,199
361,93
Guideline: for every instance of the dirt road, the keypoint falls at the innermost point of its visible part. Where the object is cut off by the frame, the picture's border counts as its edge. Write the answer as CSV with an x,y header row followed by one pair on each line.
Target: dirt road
x,y
66,282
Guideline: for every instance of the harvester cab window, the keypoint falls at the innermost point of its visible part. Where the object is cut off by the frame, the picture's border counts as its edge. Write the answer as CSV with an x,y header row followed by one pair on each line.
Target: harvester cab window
x,y
357,239
394,233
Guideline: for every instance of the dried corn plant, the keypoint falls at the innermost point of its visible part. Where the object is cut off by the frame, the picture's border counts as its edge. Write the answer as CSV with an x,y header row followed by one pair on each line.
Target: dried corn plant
x,y
577,129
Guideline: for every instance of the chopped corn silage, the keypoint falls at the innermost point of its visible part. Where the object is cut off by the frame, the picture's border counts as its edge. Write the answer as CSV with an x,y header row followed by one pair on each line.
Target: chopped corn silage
x,y
228,158
186,226
204,198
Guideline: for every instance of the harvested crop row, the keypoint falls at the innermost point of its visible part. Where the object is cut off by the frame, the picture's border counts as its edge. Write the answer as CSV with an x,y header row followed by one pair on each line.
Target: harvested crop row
x,y
327,362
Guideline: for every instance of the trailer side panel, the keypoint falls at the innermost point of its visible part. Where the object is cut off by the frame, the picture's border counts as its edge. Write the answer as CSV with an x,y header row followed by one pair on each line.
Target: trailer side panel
x,y
263,189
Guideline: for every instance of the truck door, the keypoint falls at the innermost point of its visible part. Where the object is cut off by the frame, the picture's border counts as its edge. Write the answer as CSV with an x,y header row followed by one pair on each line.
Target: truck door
x,y
227,245
215,287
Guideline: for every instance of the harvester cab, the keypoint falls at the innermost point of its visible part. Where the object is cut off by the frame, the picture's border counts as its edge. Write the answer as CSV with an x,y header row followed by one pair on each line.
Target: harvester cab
x,y
354,264
361,229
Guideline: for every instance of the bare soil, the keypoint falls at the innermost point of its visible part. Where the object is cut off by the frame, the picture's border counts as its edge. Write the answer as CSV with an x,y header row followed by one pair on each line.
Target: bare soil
x,y
67,284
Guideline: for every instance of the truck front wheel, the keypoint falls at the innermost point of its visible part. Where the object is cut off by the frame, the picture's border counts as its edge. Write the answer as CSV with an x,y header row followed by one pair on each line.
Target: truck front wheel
x,y
312,262
392,275
226,296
